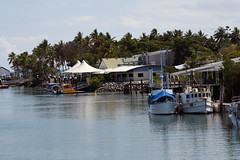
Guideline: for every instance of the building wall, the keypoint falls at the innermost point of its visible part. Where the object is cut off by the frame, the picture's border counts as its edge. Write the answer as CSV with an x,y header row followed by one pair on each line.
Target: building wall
x,y
136,74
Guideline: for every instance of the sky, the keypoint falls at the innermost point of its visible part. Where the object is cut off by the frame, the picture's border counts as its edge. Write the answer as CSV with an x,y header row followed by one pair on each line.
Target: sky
x,y
24,24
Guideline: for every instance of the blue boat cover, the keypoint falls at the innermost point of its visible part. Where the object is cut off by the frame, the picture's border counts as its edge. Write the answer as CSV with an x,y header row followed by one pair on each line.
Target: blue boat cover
x,y
162,94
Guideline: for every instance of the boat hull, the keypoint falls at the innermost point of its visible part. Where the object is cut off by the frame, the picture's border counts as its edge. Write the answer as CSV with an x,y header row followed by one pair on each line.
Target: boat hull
x,y
197,107
4,86
235,121
162,108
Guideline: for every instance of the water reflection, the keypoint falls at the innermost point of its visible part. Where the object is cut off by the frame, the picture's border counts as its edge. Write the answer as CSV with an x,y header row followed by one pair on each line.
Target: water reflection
x,y
161,123
107,126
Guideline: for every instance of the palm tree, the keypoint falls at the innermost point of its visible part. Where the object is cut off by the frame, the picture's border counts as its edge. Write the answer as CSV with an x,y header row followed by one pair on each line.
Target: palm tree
x,y
11,57
235,36
177,34
188,33
153,35
220,34
144,38
78,39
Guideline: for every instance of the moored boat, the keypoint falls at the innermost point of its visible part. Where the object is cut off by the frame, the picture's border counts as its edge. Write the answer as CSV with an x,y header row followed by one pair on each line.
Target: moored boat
x,y
162,102
194,101
2,85
67,89
234,111
54,88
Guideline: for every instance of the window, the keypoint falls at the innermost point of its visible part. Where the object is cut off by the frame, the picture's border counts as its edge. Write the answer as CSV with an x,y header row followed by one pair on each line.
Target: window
x,y
187,96
195,95
199,95
140,74
203,94
130,75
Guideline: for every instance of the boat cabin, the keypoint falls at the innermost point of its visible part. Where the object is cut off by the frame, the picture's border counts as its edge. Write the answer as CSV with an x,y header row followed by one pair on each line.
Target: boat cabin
x,y
194,96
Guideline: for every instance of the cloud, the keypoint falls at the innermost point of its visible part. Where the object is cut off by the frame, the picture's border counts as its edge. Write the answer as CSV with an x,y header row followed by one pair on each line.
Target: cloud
x,y
17,45
130,22
185,14
7,46
79,20
29,39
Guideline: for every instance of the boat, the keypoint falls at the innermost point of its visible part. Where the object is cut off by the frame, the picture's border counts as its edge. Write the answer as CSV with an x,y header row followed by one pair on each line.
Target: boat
x,y
163,101
54,88
2,85
67,89
194,101
234,111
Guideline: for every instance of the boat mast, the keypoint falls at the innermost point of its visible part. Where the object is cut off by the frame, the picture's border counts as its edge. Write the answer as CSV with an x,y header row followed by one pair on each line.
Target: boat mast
x,y
161,71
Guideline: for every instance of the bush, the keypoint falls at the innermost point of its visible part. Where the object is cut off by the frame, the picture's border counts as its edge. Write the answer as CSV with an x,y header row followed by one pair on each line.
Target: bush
x,y
95,83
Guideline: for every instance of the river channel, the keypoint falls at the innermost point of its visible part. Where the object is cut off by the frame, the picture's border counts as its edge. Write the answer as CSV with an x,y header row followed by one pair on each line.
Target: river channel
x,y
109,126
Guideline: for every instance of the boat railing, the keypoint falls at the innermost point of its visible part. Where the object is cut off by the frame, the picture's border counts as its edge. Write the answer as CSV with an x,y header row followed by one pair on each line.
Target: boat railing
x,y
235,98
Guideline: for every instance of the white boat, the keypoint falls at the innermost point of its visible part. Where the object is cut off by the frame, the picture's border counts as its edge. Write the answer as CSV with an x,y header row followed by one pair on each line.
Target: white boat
x,y
2,85
54,88
194,101
234,113
161,103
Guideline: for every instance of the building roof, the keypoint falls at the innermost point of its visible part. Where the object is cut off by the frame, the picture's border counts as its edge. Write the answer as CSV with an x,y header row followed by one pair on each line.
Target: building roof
x,y
207,67
73,67
153,53
121,69
85,68
110,62
4,69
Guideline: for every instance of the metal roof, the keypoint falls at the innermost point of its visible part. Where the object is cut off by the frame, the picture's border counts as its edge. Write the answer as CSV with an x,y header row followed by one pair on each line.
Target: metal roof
x,y
207,67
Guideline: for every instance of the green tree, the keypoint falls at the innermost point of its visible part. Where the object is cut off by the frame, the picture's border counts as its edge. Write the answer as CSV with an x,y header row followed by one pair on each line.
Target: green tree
x,y
231,74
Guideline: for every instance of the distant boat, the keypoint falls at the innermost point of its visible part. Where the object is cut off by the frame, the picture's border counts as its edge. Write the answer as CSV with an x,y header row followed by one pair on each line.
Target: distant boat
x,y
54,88
161,102
67,89
234,113
2,85
194,101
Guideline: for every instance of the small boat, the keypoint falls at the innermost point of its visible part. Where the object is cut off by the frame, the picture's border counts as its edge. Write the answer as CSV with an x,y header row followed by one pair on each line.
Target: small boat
x,y
194,101
67,89
234,113
162,102
54,88
2,85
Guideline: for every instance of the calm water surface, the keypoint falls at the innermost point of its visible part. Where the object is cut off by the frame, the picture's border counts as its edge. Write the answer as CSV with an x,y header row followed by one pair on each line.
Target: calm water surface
x,y
109,126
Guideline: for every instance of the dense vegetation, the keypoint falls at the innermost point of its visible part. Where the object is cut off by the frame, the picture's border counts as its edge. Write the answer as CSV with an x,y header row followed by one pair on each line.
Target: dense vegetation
x,y
192,48
231,74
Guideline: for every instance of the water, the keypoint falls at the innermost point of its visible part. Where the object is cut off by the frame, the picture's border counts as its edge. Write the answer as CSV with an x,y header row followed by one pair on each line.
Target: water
x,y
35,125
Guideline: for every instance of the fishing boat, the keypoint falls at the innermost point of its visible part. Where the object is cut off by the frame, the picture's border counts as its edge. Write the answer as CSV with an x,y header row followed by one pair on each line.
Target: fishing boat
x,y
54,88
234,112
2,85
67,89
195,101
161,101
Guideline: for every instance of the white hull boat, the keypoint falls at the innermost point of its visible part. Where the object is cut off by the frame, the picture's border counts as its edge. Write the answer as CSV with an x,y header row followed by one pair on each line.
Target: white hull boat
x,y
234,114
194,101
161,103
162,108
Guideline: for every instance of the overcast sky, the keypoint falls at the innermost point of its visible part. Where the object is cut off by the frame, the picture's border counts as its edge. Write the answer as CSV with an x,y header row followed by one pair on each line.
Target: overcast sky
x,y
25,23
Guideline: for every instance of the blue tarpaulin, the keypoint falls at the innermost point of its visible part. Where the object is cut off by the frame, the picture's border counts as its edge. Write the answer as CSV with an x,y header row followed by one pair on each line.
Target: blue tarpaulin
x,y
162,94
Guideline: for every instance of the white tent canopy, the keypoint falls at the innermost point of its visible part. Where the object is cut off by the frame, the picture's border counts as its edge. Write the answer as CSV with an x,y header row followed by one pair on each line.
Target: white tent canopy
x,y
85,68
73,67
